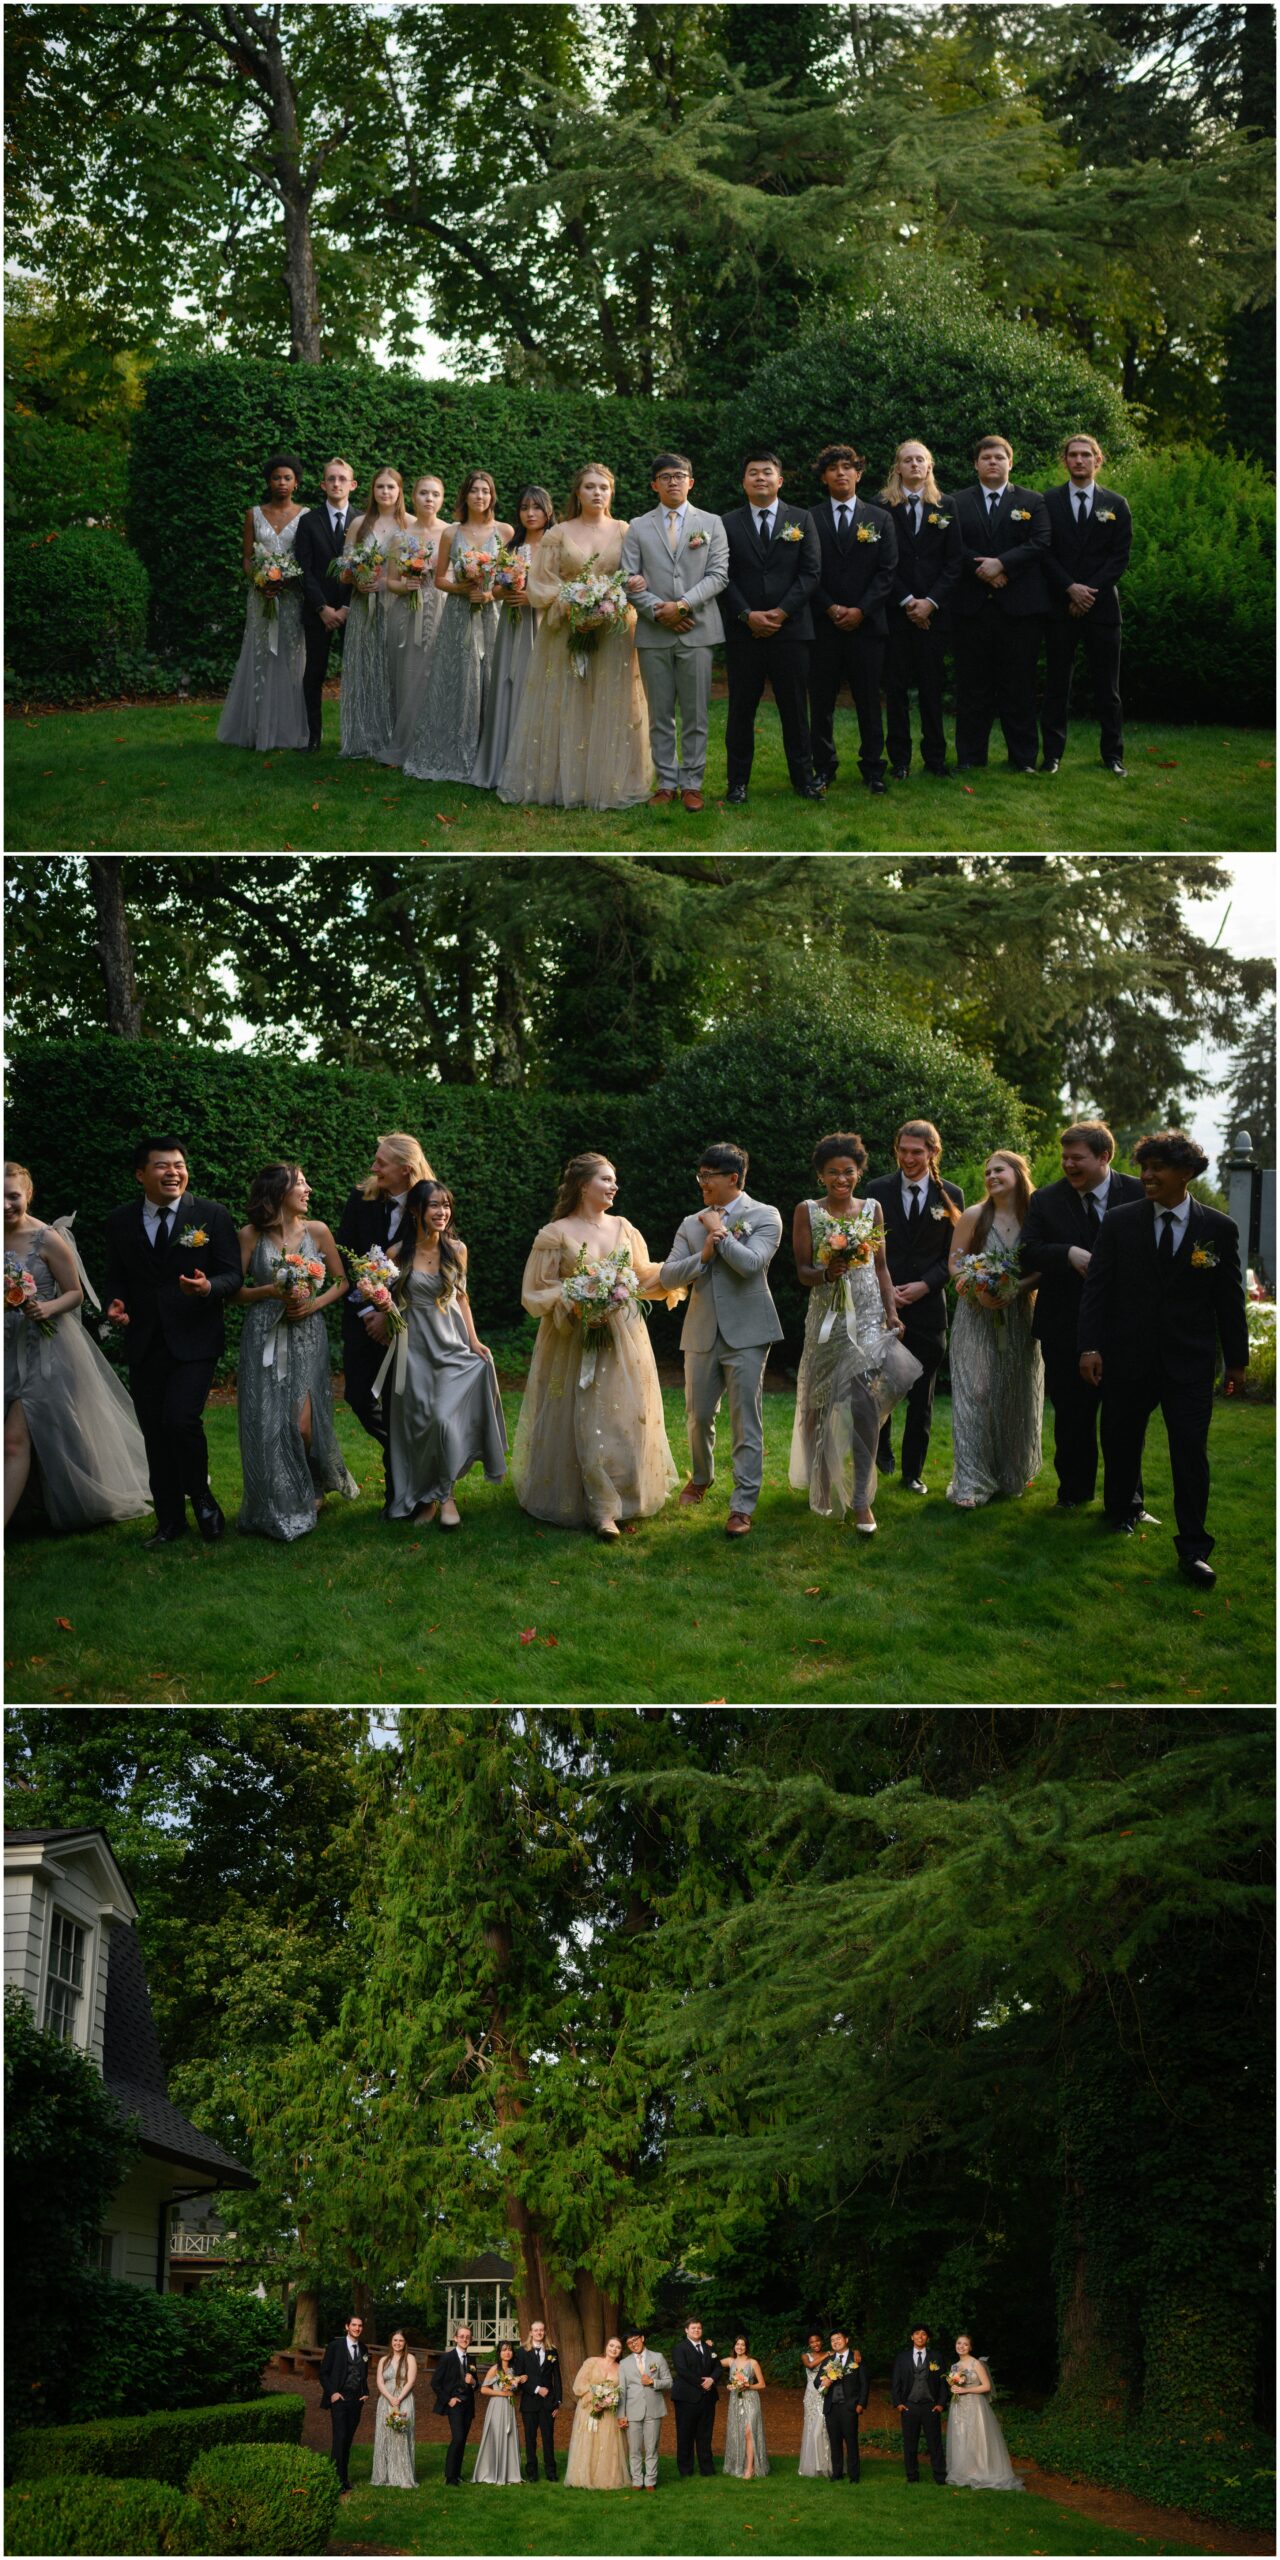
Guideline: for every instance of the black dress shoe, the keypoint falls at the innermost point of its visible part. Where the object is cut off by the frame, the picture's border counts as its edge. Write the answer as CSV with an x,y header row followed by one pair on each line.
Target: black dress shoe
x,y
814,790
899,772
1063,1505
1050,765
876,784
164,1538
736,796
1197,1569
210,1521
970,768
1121,770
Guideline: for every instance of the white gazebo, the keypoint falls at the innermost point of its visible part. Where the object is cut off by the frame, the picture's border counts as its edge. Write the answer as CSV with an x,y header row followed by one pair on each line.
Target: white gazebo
x,y
478,2292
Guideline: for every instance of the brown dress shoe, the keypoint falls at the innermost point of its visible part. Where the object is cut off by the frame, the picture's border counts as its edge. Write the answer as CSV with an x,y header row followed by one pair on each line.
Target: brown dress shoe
x,y
737,1524
692,1493
692,799
660,799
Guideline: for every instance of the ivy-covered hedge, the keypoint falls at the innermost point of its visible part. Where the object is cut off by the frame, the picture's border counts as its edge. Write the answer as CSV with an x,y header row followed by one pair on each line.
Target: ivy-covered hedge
x,y
75,615
56,473
266,2498
110,2349
155,2447
1199,596
1229,2479
221,416
123,2516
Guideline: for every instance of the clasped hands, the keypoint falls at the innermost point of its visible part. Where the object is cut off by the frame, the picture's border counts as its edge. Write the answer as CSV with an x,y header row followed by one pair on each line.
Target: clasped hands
x,y
992,572
1080,600
846,617
672,612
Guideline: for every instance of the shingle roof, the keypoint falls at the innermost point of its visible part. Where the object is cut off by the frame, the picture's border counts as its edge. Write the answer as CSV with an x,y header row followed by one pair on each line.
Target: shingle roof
x,y
487,2268
135,2075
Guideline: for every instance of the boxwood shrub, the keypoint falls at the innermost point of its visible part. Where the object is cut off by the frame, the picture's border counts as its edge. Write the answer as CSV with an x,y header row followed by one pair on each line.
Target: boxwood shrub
x,y
106,2516
75,614
136,2350
1203,561
266,2498
156,2447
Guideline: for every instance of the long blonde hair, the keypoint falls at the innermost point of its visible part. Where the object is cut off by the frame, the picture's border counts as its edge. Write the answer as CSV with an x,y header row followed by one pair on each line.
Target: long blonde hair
x,y
574,508
928,1136
893,491
407,1152
19,1173
982,1226
385,471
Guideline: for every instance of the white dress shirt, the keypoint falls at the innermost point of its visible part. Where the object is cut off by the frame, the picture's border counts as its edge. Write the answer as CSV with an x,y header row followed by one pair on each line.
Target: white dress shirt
x,y
771,511
922,1187
154,1210
1179,1216
1081,489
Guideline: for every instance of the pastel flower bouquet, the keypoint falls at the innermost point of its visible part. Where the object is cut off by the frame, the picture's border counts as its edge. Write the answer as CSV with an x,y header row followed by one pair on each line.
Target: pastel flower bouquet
x,y
990,1278
853,1237
21,1289
298,1275
397,2423
416,561
469,566
595,603
272,572
362,568
602,2404
598,1288
375,1276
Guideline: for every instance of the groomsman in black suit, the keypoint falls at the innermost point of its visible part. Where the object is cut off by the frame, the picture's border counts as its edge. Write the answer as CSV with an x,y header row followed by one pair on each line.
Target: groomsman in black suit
x,y
344,2389
455,2383
918,1222
373,1215
843,2401
541,2393
1062,1226
695,2376
1090,536
318,540
774,565
930,566
1163,1291
1000,609
173,1260
918,2390
859,557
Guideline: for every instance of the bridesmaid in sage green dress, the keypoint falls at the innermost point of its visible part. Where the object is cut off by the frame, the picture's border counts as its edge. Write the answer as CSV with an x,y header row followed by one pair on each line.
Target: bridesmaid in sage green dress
x,y
497,2463
366,678
518,622
446,735
414,610
997,1373
289,1453
744,2454
440,1393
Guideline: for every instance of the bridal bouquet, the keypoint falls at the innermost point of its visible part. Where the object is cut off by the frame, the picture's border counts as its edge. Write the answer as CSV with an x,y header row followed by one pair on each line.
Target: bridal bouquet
x,y
298,1275
273,571
361,567
990,1277
595,603
375,1275
851,1236
20,1287
604,2400
597,1286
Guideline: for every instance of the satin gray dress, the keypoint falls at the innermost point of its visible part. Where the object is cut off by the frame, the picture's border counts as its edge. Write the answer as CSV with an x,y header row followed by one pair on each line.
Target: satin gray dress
x,y
264,708
497,2464
446,734
366,675
512,658
413,628
743,2418
85,1441
442,1401
281,1364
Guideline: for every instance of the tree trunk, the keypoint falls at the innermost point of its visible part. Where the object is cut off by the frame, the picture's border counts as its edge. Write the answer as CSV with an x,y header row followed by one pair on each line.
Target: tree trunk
x,y
306,2320
1091,2379
300,277
115,952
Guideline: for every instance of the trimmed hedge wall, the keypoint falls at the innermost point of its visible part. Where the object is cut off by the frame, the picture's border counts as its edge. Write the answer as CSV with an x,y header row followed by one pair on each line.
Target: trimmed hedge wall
x,y
156,2447
107,2349
123,2516
1203,562
76,614
221,416
266,2498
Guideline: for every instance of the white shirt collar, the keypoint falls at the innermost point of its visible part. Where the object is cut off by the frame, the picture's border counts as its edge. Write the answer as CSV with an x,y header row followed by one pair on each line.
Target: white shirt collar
x,y
989,493
770,511
1082,489
850,503
154,1210
1179,1216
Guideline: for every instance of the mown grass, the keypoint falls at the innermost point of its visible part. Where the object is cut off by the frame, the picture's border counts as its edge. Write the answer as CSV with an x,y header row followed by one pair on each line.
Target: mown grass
x,y
1015,1603
152,778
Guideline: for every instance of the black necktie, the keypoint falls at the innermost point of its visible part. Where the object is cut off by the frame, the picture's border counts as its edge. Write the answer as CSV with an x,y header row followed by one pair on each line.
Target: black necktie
x,y
1166,1240
764,525
1091,1214
914,505
913,1213
842,526
1082,511
340,525
161,1237
993,500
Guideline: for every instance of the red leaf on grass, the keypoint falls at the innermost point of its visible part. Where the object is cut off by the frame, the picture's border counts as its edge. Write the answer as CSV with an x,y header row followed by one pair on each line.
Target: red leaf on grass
x,y
315,804
264,1676
1266,764
551,1639
65,1623
527,1634
967,788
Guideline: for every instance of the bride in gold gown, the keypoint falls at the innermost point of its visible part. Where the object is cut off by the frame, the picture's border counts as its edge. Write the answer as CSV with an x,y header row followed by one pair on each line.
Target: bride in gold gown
x,y
597,2460
591,1444
580,741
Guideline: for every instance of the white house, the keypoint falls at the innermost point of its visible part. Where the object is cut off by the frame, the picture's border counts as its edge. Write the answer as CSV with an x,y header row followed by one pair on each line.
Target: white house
x,y
71,1947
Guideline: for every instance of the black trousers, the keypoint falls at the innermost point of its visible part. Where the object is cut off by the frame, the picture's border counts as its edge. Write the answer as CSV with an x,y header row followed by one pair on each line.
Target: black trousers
x,y
695,2420
917,1420
915,2416
1100,642
344,2416
319,641
1127,1407
997,657
460,2421
750,665
539,2420
914,658
169,1398
842,2436
361,1361
855,658
1075,1429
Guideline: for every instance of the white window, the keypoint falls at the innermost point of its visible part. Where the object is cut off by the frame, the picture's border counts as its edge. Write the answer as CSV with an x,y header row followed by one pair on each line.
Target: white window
x,y
66,1978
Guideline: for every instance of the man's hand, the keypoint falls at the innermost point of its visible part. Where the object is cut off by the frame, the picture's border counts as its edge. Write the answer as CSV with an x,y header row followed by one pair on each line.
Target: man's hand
x,y
117,1312
335,2399
712,1220
1235,1382
624,2422
1091,1368
902,2406
846,617
1078,1258
673,613
1081,597
708,2382
762,626
907,1291
637,583
454,2402
921,611
991,570
376,1327
330,617
196,1285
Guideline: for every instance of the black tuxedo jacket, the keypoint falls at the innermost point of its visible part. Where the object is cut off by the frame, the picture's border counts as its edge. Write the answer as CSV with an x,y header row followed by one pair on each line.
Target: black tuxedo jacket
x,y
526,2365
1055,1221
1142,1317
364,1222
689,2366
191,1328
765,574
904,2374
1021,548
930,563
926,1259
861,574
454,2379
342,2371
315,545
852,2391
1098,557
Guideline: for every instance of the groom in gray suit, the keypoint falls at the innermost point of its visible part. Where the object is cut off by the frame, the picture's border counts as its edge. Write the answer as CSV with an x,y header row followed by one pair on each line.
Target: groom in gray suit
x,y
676,561
721,1256
643,2377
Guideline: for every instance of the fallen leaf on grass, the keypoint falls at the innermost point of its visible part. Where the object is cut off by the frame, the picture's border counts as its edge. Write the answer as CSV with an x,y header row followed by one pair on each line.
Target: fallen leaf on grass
x,y
433,1628
1266,764
551,1639
813,1591
527,1634
442,821
967,788
263,1677
817,1640
36,1659
314,806
65,1624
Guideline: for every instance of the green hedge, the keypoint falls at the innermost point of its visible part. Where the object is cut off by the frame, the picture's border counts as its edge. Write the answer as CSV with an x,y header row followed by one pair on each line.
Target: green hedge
x,y
1233,2481
112,2349
60,474
105,2516
221,416
1199,598
76,615
158,2447
266,2498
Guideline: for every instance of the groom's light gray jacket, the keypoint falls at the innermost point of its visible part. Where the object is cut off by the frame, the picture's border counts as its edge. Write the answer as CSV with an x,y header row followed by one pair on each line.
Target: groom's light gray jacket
x,y
636,2400
694,574
729,1294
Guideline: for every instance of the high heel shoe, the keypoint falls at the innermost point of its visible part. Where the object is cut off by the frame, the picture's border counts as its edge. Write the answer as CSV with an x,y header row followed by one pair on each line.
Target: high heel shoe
x,y
866,1528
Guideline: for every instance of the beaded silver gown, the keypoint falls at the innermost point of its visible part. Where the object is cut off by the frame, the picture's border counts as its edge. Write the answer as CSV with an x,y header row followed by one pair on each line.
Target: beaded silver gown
x,y
85,1438
281,1365
512,659
815,2443
446,733
413,628
394,2465
997,1401
744,2418
442,1403
852,1373
264,708
366,676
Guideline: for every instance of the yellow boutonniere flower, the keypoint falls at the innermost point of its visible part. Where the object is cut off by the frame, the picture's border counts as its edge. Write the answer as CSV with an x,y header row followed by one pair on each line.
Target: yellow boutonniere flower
x,y
868,533
1019,515
1203,1258
791,533
1105,515
193,1236
933,517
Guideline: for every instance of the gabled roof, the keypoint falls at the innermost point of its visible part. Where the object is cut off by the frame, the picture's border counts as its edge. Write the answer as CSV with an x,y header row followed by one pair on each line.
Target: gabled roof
x,y
486,2269
75,1841
134,2073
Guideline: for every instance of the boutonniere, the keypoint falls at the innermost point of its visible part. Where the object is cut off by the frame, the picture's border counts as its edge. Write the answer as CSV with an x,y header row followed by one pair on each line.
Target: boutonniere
x,y
792,533
1105,515
867,533
1203,1258
1019,515
937,1213
738,1229
696,542
932,2366
933,517
194,1236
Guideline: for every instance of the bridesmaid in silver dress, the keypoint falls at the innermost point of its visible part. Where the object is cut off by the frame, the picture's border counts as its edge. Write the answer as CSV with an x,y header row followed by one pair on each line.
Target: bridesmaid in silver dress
x,y
815,2443
394,2465
854,1367
997,1372
414,609
289,1453
446,734
64,1406
497,2464
744,2454
366,678
513,649
441,1392
977,2455
265,707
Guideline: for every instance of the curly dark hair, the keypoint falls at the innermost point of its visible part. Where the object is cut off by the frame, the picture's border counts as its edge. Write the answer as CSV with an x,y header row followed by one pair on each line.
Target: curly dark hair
x,y
1172,1147
273,462
840,1142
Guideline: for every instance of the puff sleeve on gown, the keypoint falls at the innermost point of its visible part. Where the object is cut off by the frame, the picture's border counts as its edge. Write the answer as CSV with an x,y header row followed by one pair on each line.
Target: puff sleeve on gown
x,y
585,1455
580,742
596,2461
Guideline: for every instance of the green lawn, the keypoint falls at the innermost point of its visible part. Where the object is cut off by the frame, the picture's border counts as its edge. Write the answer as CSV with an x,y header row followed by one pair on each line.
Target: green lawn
x,y
153,779
1018,1602
779,2514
